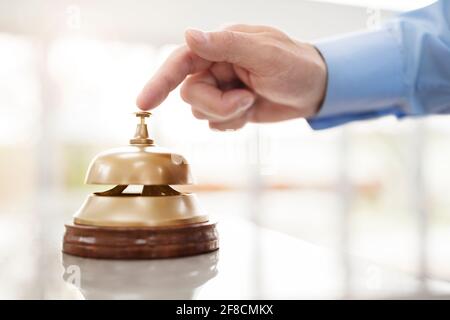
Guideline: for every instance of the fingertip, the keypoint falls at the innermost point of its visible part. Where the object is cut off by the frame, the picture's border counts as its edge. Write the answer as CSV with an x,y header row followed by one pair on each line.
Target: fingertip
x,y
145,100
141,105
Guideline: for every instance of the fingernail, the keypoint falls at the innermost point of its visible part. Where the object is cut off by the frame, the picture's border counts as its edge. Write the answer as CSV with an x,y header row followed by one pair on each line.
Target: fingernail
x,y
245,103
198,35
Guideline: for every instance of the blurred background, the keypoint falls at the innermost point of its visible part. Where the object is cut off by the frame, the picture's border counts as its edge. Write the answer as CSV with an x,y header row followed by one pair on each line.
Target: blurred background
x,y
69,75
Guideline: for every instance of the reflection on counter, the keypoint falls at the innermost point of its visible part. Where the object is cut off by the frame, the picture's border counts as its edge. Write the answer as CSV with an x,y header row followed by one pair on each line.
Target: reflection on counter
x,y
179,278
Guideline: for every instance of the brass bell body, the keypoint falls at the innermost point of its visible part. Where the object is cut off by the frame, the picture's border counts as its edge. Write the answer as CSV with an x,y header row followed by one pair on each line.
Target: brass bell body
x,y
155,205
146,166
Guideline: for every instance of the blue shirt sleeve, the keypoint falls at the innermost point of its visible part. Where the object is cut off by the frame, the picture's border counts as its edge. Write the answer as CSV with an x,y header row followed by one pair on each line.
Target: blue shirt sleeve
x,y
403,69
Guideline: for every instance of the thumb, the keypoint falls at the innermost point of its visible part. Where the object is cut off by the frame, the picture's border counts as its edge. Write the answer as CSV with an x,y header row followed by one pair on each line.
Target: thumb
x,y
239,48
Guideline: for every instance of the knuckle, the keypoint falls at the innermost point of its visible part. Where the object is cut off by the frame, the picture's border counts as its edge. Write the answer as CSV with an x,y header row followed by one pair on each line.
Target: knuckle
x,y
274,51
277,34
179,50
228,37
210,110
197,114
234,27
223,112
228,40
185,92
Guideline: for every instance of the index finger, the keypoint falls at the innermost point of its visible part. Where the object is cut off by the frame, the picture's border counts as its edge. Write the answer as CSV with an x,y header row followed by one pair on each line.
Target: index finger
x,y
181,63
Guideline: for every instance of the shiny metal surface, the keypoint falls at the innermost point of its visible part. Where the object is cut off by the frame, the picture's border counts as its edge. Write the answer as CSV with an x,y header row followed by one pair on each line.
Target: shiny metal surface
x,y
141,135
142,165
139,211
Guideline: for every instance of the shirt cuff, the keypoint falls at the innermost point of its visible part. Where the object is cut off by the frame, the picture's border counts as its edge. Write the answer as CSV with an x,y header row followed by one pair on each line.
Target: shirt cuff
x,y
364,78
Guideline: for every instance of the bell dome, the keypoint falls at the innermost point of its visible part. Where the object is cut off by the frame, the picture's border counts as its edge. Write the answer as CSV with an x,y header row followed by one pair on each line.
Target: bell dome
x,y
136,164
140,163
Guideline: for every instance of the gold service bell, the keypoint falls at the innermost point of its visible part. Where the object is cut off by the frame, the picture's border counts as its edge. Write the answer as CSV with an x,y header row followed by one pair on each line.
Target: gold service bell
x,y
157,222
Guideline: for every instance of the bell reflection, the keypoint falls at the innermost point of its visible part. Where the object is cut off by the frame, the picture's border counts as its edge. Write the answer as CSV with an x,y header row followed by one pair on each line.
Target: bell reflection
x,y
178,278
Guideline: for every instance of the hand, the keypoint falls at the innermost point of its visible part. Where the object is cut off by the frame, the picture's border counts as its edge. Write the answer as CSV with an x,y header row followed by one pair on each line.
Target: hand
x,y
241,74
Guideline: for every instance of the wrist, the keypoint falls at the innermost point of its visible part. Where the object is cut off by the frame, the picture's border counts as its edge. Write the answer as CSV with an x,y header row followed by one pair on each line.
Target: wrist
x,y
321,83
313,75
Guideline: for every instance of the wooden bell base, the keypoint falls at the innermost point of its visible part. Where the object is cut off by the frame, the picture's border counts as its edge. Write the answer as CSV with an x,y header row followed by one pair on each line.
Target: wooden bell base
x,y
140,242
